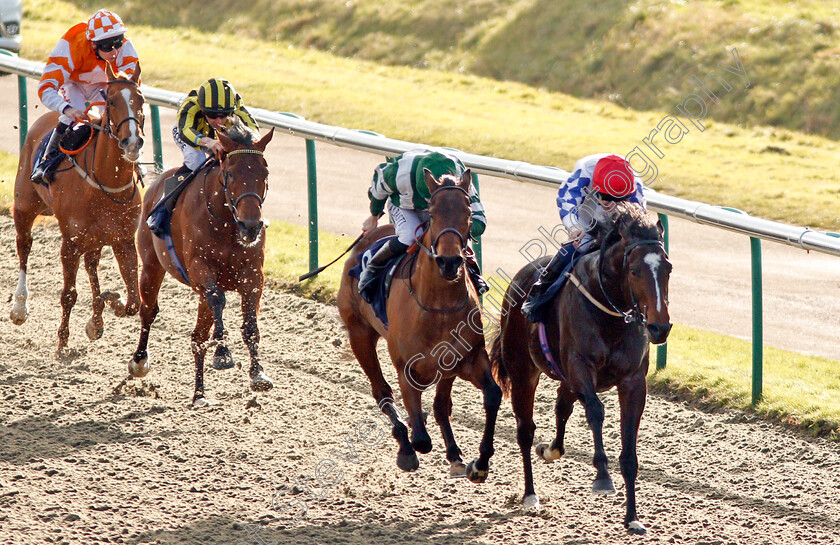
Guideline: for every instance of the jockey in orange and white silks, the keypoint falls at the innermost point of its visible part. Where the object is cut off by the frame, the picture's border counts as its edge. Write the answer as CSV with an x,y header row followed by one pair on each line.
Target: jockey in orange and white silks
x,y
582,201
75,71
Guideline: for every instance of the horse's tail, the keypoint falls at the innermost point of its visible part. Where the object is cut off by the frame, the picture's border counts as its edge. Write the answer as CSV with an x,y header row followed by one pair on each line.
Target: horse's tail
x,y
497,366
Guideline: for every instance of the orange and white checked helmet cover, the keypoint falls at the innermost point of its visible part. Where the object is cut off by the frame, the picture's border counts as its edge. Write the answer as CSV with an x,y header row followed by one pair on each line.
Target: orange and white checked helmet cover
x,y
104,24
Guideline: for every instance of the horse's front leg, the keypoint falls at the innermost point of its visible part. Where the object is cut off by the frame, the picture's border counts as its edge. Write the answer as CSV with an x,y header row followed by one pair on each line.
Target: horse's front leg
x,y
562,411
478,373
70,264
150,282
632,394
95,325
585,389
126,256
443,412
215,297
251,335
23,228
199,349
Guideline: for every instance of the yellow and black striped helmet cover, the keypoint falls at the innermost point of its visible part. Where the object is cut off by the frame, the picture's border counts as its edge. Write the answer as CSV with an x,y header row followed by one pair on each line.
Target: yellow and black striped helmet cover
x,y
217,95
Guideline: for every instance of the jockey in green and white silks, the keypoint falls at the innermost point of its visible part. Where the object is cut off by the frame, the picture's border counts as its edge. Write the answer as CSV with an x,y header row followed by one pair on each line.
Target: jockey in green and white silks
x,y
399,185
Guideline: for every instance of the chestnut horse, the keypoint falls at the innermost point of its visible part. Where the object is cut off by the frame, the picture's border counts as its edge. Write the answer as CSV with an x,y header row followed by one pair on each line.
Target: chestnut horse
x,y
434,333
596,337
218,234
95,202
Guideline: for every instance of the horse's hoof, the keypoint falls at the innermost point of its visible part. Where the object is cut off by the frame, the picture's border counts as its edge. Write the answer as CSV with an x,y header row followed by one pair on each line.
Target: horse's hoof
x,y
19,314
222,359
531,502
93,331
261,383
457,469
422,445
200,403
476,475
547,453
637,528
139,369
603,486
408,462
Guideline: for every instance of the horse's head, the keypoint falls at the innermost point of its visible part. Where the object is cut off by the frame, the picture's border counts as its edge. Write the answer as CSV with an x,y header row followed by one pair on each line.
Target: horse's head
x,y
644,266
449,221
124,107
244,177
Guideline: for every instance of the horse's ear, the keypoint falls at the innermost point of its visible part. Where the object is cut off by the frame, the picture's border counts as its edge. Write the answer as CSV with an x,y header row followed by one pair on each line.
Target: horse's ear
x,y
431,182
660,228
466,180
109,71
263,142
135,77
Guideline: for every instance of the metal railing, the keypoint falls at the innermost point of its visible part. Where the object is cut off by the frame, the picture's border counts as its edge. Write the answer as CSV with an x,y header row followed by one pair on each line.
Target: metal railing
x,y
720,217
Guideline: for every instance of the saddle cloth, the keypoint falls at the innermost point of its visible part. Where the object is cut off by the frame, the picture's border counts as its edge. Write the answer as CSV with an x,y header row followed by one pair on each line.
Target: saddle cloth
x,y
377,291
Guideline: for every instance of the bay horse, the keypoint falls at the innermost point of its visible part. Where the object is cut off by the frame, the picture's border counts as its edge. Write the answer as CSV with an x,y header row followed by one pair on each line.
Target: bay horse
x,y
218,239
434,331
596,337
96,203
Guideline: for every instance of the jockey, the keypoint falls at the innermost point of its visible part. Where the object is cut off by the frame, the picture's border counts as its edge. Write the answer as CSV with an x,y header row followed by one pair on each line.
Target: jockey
x,y
205,111
75,72
399,183
596,182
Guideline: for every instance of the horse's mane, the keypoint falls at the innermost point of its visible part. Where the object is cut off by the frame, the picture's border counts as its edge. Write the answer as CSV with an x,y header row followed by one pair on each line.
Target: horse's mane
x,y
631,220
240,133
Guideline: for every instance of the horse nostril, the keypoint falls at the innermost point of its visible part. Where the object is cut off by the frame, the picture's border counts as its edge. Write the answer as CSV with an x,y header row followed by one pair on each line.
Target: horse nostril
x,y
140,141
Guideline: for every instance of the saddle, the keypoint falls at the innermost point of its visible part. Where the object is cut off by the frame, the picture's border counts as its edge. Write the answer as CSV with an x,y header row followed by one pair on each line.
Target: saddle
x,y
377,291
161,213
75,138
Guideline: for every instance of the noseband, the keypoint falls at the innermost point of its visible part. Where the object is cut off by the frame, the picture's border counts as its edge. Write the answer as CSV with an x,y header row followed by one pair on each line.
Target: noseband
x,y
634,314
230,202
432,250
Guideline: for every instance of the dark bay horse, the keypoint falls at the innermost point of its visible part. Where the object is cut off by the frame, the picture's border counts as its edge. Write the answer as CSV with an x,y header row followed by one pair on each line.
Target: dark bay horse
x,y
434,333
596,337
218,236
96,203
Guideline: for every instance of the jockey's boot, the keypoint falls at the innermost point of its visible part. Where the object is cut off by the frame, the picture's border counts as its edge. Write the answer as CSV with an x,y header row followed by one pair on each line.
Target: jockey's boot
x,y
175,182
392,248
475,272
52,147
551,273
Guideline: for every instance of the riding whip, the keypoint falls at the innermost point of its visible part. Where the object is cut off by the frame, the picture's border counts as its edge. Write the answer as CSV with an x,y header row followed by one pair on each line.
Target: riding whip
x,y
319,269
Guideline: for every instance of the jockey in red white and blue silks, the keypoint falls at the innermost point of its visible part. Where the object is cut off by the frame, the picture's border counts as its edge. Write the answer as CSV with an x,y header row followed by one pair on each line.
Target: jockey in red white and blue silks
x,y
595,181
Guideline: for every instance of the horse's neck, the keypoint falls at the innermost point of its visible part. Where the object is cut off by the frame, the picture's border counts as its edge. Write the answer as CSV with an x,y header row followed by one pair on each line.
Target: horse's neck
x,y
606,274
106,151
214,195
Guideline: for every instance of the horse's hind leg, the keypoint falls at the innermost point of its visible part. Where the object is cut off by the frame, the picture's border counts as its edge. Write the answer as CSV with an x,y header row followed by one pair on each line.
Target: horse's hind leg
x,y
23,228
443,412
251,335
363,339
215,297
126,256
199,349
70,257
478,373
631,398
524,386
95,325
562,410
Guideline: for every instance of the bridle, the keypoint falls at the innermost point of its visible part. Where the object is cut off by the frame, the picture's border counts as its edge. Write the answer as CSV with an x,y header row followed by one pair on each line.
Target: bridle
x,y
232,203
431,251
634,313
113,133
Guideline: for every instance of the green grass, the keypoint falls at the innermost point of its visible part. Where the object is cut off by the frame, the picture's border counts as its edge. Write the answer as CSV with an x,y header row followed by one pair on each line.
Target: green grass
x,y
724,165
637,53
800,390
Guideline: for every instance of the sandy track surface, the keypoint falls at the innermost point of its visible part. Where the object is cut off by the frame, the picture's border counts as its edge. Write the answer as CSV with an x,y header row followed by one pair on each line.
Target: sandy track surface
x,y
88,457
710,287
